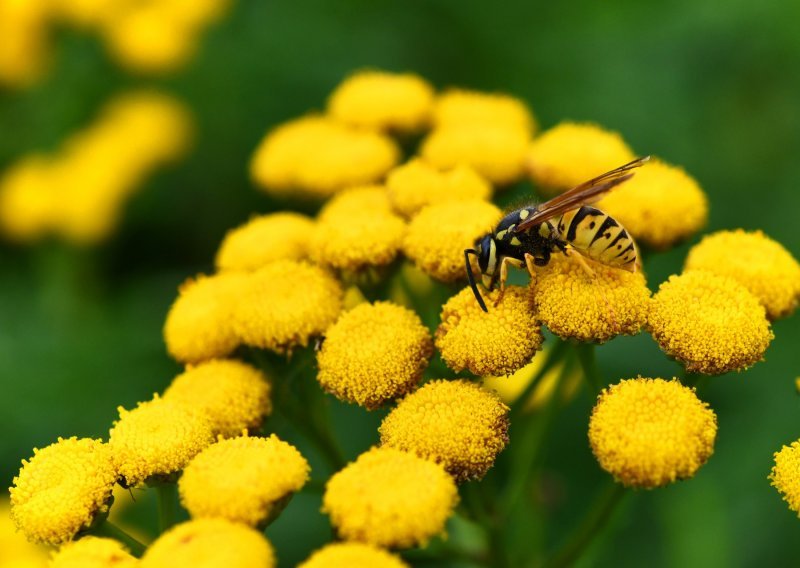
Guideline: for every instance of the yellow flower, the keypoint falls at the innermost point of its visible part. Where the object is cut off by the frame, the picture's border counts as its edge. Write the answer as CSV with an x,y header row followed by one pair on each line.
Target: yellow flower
x,y
574,305
25,49
210,543
17,551
650,432
710,323
496,343
374,353
93,552
416,184
352,555
785,475
263,239
438,235
454,423
286,303
357,229
82,13
571,153
242,479
495,151
156,439
233,395
199,325
62,488
757,262
390,499
27,199
458,107
384,101
316,156
660,206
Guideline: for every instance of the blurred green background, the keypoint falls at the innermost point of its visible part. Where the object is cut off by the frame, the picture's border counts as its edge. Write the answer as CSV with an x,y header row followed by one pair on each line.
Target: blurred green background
x,y
714,87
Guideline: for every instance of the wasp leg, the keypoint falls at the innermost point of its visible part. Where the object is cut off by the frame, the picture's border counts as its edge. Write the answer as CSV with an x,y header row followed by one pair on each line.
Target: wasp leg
x,y
579,257
503,277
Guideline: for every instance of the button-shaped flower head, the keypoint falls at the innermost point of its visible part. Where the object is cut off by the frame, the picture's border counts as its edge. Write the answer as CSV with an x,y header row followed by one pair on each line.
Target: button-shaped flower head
x,y
93,552
352,555
785,475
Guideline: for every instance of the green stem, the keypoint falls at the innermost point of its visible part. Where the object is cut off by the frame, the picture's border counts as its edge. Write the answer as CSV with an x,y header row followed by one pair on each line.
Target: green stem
x,y
588,361
553,357
590,526
167,500
110,530
695,380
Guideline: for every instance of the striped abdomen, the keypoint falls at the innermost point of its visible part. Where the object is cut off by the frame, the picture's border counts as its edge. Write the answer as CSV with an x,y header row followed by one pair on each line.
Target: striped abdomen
x,y
598,236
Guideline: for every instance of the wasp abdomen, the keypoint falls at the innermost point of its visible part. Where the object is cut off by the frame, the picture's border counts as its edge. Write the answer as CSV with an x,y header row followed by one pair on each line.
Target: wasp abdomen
x,y
597,235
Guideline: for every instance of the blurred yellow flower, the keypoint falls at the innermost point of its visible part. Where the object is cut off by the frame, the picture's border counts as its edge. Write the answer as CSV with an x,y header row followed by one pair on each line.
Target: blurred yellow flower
x,y
62,488
93,552
15,550
785,475
25,48
454,423
571,153
650,432
316,156
352,555
458,107
390,498
374,353
210,543
415,184
286,303
711,324
242,479
27,199
83,13
233,395
156,439
499,342
265,238
384,101
438,235
754,260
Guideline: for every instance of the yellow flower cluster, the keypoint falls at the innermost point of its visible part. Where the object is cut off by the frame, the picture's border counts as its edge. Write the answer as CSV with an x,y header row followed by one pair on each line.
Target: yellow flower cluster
x,y
17,551
78,193
24,51
352,555
93,552
785,475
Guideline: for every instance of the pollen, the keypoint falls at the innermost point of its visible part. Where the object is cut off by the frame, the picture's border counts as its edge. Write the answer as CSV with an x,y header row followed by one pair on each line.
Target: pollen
x,y
233,395
458,107
157,438
499,342
61,489
352,555
416,184
650,432
757,262
454,423
242,479
315,157
709,323
571,153
374,353
93,552
384,101
574,305
286,303
265,238
660,206
210,543
390,498
785,475
199,323
438,235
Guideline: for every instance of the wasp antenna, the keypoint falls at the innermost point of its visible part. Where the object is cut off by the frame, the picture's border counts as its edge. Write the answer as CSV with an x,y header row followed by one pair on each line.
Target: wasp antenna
x,y
471,278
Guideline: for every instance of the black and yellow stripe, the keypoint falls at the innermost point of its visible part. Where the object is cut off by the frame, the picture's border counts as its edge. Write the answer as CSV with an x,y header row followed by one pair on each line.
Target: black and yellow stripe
x,y
598,236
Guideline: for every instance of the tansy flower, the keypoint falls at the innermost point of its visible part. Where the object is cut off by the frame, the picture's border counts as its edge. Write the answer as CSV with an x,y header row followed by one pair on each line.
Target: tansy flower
x,y
233,395
438,235
265,238
458,107
242,479
390,498
357,229
210,543
499,342
93,552
18,551
157,438
574,305
660,206
384,101
286,303
762,265
785,475
27,199
571,153
199,325
414,185
374,353
352,555
454,423
62,488
651,432
25,49
710,323
315,157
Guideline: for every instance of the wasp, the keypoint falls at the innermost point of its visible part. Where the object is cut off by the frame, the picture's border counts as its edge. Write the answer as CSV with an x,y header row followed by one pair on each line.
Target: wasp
x,y
530,235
